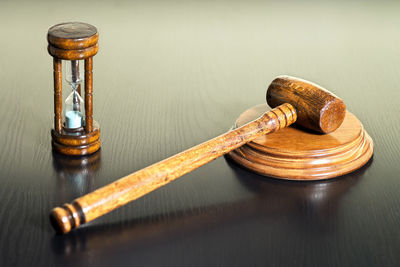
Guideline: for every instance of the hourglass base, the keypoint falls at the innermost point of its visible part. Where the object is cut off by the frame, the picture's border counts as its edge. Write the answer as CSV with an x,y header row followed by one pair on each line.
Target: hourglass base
x,y
76,143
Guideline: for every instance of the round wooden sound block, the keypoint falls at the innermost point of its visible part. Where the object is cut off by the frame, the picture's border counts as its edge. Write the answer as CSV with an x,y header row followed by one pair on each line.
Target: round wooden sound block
x,y
297,154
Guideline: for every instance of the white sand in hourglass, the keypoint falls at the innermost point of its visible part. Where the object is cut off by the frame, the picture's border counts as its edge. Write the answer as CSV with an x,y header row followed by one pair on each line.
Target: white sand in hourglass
x,y
73,119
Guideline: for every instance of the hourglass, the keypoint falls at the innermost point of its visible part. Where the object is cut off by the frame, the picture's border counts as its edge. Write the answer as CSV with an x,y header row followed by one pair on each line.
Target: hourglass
x,y
73,45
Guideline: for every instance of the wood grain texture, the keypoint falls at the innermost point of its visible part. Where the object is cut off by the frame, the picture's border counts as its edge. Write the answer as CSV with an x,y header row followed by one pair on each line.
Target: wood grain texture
x,y
73,41
80,137
57,77
89,95
317,108
72,35
297,154
76,54
136,185
185,71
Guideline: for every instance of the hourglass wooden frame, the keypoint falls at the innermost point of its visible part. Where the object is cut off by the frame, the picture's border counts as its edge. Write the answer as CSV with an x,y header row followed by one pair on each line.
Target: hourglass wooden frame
x,y
74,41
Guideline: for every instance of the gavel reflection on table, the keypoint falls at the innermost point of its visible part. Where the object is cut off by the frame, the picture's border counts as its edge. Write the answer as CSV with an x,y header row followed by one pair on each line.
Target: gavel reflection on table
x,y
293,100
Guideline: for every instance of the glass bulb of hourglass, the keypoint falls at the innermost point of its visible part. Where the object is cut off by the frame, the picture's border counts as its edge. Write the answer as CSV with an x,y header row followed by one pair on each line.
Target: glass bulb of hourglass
x,y
73,71
74,104
73,110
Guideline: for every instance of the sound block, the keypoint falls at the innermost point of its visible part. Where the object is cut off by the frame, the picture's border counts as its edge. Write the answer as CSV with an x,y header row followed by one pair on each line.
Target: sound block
x,y
298,154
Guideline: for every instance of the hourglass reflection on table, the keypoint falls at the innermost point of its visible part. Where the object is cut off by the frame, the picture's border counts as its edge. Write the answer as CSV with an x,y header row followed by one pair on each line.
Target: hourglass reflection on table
x,y
73,45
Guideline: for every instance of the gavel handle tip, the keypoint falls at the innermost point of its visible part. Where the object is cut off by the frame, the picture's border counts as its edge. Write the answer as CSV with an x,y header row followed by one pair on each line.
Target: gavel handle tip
x,y
60,219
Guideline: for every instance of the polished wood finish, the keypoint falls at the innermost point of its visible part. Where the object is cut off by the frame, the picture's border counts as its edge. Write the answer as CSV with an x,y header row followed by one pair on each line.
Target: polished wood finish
x,y
82,138
73,35
80,150
296,154
170,75
317,108
74,41
135,185
57,75
144,181
77,143
77,54
89,94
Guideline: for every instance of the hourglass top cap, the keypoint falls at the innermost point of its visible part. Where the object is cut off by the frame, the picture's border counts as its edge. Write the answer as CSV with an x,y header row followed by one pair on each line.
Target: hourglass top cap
x,y
72,40
72,35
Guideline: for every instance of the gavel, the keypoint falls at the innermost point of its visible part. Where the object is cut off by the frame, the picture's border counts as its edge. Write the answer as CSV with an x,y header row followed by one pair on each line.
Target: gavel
x,y
293,101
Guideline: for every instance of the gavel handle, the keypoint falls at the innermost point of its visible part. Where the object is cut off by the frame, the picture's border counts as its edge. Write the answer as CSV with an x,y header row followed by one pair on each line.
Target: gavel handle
x,y
137,184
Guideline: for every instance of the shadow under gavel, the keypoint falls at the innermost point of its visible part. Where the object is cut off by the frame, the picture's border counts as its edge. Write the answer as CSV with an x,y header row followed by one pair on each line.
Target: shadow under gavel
x,y
270,198
295,100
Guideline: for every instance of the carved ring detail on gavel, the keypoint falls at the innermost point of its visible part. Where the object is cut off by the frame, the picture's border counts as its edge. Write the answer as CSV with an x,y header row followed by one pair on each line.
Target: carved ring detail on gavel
x,y
293,99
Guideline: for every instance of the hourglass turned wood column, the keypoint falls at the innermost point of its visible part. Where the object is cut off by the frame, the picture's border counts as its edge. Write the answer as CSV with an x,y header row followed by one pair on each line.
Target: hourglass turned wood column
x,y
74,41
88,94
57,95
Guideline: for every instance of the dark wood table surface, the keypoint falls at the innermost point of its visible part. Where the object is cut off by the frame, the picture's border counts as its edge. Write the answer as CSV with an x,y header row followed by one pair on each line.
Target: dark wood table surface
x,y
172,74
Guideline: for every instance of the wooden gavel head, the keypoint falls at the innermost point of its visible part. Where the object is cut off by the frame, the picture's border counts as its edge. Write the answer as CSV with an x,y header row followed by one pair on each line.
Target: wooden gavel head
x,y
317,109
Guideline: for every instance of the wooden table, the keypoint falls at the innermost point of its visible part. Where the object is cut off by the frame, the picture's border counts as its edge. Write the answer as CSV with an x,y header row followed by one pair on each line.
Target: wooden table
x,y
170,75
